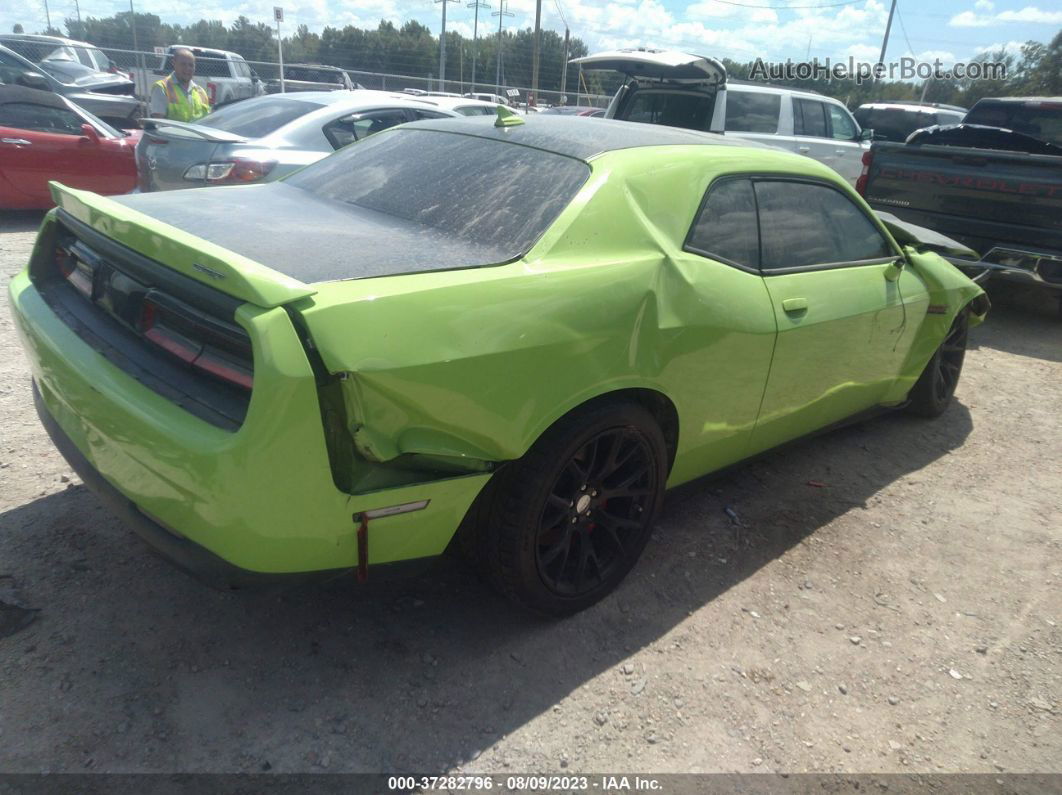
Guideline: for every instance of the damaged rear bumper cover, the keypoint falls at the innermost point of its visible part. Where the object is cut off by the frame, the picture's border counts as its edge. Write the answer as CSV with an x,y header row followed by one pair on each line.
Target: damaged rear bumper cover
x,y
186,555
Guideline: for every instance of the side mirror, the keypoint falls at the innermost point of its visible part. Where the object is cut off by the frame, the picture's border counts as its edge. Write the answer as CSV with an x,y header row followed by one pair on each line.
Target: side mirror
x,y
34,80
866,135
254,76
89,135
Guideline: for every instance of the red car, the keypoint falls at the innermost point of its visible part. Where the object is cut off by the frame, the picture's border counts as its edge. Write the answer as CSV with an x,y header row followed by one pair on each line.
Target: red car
x,y
44,136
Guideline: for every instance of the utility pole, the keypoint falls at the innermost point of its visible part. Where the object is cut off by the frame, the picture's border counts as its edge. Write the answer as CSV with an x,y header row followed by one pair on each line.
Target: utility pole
x,y
77,9
139,57
888,27
442,46
564,71
476,4
278,15
535,53
501,14
47,16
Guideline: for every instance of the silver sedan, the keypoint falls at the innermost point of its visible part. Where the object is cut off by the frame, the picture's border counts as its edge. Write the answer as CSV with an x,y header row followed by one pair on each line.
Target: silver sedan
x,y
265,138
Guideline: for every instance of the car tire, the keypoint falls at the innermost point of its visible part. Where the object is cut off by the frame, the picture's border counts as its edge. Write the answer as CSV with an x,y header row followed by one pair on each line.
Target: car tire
x,y
935,388
559,528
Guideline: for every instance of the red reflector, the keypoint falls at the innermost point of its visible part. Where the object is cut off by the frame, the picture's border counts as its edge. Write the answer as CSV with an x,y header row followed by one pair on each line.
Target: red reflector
x,y
215,365
170,342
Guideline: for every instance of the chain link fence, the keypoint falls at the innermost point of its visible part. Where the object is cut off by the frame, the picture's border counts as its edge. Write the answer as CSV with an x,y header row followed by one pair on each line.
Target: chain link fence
x,y
144,68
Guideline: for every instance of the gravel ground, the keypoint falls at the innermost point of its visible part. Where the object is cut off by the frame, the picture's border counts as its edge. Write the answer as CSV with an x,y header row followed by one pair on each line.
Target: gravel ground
x,y
903,616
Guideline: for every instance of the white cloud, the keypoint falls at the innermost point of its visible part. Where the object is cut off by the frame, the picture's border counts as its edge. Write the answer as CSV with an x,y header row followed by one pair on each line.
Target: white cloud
x,y
1010,47
1030,15
968,19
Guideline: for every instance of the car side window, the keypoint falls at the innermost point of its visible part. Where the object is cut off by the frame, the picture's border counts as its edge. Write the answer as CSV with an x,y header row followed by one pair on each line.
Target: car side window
x,y
752,112
39,118
841,126
357,126
808,118
430,114
725,227
805,224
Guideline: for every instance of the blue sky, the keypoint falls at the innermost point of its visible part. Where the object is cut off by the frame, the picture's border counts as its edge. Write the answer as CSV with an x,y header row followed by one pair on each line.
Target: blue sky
x,y
953,30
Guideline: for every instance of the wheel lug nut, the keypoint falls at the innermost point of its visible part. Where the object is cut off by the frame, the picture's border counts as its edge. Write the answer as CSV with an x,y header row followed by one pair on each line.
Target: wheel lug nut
x,y
575,519
593,493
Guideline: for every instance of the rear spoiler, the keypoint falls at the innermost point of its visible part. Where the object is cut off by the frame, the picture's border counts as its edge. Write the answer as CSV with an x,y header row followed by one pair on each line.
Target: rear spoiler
x,y
908,234
199,259
184,129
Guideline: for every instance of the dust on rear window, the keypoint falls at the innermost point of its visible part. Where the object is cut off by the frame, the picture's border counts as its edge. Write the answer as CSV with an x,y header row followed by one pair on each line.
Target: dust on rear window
x,y
486,192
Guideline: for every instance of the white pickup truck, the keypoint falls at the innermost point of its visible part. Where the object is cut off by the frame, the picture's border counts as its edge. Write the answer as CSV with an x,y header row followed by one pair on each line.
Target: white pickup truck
x,y
225,75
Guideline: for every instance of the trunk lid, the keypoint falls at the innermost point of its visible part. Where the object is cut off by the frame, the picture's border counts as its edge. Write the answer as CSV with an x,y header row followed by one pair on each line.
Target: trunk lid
x,y
183,251
168,148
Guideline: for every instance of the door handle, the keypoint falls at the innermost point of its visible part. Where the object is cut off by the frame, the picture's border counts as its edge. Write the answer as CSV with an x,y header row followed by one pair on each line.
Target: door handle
x,y
17,141
795,305
838,151
803,149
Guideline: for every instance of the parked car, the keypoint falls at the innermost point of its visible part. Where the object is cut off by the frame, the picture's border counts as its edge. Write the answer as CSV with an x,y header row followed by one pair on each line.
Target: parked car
x,y
265,138
894,121
56,50
312,77
459,105
683,90
496,99
44,136
336,371
225,75
91,91
994,183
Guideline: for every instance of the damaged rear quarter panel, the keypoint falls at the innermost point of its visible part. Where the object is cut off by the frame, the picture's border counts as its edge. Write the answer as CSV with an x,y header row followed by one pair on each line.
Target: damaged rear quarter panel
x,y
477,363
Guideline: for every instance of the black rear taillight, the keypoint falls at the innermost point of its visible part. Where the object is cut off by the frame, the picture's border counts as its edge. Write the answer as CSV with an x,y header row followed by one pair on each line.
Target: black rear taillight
x,y
221,349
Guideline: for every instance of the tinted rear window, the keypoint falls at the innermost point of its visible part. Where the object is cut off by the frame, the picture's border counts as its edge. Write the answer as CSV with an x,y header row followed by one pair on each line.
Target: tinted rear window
x,y
256,118
687,109
1041,120
752,112
893,124
487,192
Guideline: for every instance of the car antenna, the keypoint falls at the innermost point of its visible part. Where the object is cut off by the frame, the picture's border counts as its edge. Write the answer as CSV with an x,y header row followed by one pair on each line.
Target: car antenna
x,y
507,118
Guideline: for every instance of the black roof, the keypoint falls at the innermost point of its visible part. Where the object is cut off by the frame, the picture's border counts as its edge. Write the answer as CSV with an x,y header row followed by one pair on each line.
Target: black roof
x,y
576,136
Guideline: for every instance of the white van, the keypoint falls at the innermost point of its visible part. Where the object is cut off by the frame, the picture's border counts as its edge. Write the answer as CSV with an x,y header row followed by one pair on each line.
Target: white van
x,y
682,90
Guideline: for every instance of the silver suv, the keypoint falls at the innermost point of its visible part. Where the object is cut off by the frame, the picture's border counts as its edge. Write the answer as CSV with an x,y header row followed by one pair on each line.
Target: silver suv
x,y
225,75
682,90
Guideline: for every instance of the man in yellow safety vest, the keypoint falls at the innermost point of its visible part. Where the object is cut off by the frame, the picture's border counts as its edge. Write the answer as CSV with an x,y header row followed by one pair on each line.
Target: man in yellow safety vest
x,y
177,96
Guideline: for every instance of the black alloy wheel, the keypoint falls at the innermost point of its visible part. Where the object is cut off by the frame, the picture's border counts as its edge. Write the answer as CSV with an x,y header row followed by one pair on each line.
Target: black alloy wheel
x,y
559,528
935,388
595,512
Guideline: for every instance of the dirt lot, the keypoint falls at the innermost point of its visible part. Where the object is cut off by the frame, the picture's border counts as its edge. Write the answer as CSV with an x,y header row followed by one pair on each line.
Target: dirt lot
x,y
903,617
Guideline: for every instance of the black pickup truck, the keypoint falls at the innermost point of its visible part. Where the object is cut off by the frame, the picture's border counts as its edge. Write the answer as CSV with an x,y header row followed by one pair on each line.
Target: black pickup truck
x,y
993,182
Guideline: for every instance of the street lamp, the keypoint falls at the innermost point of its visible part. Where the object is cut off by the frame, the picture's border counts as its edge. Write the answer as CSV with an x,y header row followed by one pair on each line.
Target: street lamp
x,y
442,46
501,13
476,4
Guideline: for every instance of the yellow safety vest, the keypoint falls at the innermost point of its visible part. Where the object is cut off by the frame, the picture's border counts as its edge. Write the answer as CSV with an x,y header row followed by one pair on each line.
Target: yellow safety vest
x,y
181,106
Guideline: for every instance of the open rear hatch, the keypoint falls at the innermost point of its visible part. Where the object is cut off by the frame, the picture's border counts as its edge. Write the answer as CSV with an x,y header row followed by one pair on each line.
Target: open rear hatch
x,y
666,87
657,65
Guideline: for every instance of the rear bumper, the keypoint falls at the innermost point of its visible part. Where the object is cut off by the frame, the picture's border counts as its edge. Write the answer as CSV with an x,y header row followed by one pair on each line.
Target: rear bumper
x,y
261,500
197,561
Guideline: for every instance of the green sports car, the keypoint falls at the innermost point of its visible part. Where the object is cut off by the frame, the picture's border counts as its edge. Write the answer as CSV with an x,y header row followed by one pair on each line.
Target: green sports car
x,y
510,335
